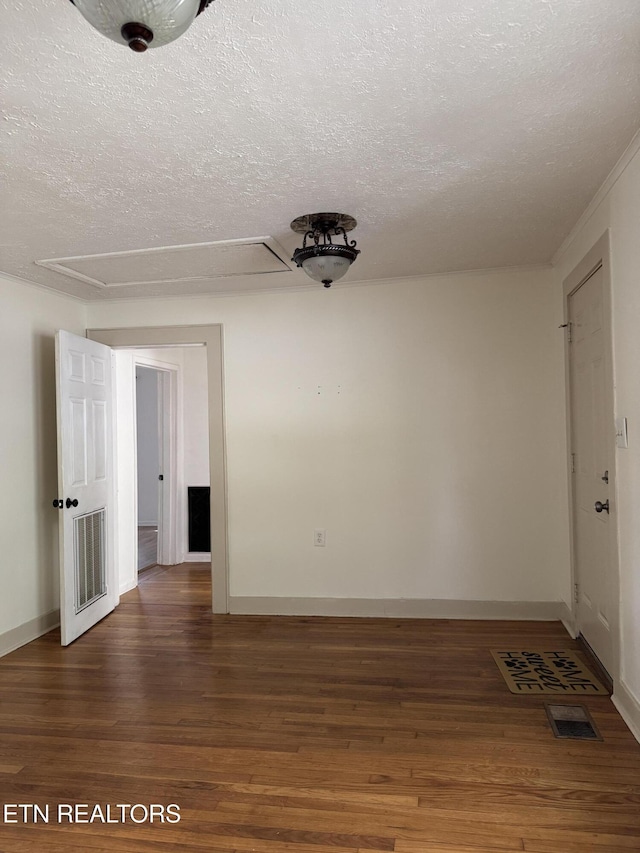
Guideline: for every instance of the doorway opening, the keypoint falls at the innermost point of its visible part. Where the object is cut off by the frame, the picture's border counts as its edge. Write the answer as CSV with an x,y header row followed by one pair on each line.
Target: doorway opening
x,y
170,452
208,339
157,414
149,470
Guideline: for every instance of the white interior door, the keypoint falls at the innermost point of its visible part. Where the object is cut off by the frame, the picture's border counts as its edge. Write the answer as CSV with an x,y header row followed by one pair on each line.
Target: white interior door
x,y
168,442
88,588
590,420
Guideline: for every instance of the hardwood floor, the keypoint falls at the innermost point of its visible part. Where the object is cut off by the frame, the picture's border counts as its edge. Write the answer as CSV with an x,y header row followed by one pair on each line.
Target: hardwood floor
x,y
301,735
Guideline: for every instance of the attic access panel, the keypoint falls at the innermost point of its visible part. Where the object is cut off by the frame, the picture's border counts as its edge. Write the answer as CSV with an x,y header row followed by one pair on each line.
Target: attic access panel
x,y
174,264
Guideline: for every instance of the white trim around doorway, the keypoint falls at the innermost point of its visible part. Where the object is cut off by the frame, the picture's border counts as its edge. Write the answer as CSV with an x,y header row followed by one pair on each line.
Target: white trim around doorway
x,y
211,336
598,256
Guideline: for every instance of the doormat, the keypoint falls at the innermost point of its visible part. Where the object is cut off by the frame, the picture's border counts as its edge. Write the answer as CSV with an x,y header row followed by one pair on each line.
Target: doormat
x,y
562,672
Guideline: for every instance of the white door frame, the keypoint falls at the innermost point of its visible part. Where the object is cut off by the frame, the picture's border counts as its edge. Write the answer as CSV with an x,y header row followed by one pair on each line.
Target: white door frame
x,y
211,336
599,255
170,443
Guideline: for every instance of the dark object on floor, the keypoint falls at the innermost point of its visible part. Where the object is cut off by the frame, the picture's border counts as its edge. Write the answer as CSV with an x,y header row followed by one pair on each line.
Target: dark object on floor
x,y
572,721
199,518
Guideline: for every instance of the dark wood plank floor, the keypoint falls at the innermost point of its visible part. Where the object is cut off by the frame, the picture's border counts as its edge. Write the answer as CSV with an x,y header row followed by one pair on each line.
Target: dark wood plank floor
x,y
302,735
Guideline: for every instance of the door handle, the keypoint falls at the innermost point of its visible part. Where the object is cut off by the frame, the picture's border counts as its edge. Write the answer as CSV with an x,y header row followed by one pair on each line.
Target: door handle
x,y
599,506
74,502
58,504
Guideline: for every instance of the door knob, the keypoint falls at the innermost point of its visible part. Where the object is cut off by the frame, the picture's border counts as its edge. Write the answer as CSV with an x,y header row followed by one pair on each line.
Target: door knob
x,y
58,504
74,502
602,506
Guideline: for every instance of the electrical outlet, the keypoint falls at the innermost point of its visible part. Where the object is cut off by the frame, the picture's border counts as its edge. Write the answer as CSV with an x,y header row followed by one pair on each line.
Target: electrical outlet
x,y
319,537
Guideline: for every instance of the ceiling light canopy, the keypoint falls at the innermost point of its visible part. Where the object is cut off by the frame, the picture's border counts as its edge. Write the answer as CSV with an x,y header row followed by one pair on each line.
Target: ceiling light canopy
x,y
322,259
141,23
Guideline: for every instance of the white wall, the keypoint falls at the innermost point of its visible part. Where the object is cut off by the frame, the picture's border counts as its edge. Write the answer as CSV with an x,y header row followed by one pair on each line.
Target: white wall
x,y
421,422
619,211
147,444
195,416
29,318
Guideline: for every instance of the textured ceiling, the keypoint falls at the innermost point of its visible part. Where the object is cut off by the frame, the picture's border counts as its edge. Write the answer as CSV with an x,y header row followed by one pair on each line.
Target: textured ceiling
x,y
462,134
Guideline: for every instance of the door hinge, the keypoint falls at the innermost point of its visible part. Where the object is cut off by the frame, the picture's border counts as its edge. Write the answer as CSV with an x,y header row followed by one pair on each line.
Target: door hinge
x,y
576,596
573,463
568,327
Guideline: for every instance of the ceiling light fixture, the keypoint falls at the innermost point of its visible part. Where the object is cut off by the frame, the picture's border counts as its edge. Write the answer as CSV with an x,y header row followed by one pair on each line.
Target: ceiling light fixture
x,y
141,23
324,260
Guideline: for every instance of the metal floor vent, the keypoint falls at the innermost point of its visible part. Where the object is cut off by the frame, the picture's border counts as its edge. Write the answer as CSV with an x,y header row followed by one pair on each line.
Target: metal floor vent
x,y
572,721
89,558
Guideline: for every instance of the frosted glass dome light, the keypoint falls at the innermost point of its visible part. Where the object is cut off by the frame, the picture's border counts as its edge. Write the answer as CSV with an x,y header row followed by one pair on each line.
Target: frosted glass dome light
x,y
321,258
141,23
325,267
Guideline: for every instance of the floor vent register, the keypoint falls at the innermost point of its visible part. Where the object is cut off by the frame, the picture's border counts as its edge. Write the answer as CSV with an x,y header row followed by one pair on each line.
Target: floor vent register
x,y
572,721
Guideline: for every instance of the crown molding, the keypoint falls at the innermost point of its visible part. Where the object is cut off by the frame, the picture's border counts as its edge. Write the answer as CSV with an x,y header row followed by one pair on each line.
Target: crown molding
x,y
609,182
51,290
305,286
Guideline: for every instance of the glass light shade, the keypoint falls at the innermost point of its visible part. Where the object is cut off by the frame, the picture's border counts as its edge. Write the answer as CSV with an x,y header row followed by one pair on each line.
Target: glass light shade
x,y
166,19
326,267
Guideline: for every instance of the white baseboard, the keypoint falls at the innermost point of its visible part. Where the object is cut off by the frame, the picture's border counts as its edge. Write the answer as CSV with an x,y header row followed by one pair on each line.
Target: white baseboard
x,y
567,619
132,583
628,707
397,608
197,557
23,634
147,523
